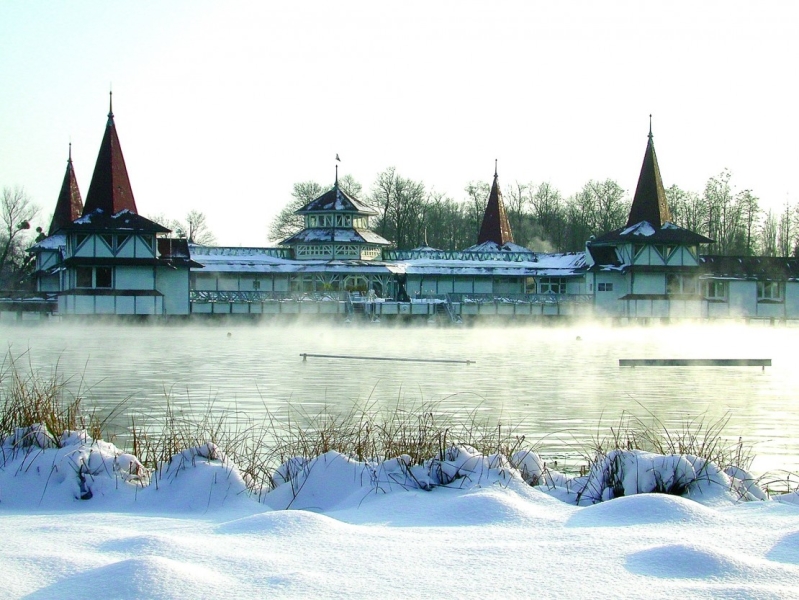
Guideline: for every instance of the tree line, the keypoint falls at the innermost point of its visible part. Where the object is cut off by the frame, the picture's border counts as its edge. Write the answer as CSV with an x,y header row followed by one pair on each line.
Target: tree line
x,y
412,215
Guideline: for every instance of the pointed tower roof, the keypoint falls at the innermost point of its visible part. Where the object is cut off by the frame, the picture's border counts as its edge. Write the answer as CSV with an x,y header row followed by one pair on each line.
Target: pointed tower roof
x,y
649,203
495,227
70,204
110,189
336,200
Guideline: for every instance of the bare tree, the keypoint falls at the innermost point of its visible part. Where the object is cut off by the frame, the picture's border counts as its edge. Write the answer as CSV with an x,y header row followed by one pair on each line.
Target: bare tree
x,y
749,206
786,233
175,226
768,235
197,229
287,223
477,198
610,205
16,213
549,213
724,214
687,209
401,204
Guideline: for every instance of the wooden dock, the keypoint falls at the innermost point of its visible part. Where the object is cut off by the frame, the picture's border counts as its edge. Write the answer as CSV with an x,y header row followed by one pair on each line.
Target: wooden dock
x,y
306,355
695,362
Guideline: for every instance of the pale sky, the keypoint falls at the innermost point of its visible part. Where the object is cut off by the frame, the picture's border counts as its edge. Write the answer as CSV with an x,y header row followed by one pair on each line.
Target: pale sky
x,y
221,107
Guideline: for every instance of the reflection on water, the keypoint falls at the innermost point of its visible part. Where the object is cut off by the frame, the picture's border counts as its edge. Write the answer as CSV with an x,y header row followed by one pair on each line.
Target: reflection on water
x,y
561,385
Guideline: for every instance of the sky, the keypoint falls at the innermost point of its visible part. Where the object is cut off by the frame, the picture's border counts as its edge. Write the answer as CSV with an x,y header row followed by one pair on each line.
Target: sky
x,y
222,107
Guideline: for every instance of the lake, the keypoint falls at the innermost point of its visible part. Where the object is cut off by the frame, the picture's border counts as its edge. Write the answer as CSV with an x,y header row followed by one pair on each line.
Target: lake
x,y
561,386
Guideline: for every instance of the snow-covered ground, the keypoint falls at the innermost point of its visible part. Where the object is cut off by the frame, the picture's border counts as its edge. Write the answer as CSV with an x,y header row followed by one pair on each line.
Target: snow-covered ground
x,y
86,520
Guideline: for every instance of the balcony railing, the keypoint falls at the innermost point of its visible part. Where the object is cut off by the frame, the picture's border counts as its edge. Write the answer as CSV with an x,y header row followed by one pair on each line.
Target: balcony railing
x,y
203,296
520,298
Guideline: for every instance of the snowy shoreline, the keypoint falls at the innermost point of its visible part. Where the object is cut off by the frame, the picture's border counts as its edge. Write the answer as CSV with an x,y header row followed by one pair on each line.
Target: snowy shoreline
x,y
469,522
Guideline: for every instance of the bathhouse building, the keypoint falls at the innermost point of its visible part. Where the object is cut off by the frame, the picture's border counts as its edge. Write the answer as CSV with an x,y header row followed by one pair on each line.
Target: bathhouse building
x,y
110,260
653,269
103,258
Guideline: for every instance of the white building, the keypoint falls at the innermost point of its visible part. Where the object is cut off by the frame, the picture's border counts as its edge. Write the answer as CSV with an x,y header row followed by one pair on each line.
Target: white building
x,y
103,258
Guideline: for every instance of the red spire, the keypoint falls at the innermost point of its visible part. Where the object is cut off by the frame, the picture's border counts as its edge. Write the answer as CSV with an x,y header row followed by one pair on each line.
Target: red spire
x,y
69,205
110,188
495,227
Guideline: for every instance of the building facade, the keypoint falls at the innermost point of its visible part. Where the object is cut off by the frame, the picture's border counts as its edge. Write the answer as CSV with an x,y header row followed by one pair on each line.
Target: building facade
x,y
104,258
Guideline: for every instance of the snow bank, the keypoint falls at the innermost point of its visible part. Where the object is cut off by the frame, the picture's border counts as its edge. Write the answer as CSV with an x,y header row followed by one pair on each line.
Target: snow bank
x,y
39,471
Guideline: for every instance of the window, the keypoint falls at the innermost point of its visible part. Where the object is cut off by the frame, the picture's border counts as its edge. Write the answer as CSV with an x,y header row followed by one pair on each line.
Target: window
x,y
681,285
312,251
715,290
769,291
302,283
83,277
94,277
79,239
103,277
370,253
108,239
551,285
665,252
343,220
604,287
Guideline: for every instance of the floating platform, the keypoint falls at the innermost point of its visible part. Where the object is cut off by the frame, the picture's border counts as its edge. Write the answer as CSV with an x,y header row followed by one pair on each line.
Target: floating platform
x,y
695,362
305,356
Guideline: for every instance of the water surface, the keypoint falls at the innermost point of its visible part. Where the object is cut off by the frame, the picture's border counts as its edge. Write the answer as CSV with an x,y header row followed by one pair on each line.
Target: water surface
x,y
561,386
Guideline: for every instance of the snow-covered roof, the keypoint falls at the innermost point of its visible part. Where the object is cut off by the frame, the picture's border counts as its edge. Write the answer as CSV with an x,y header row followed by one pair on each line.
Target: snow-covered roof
x,y
336,200
494,247
642,228
124,220
264,260
331,234
51,242
646,232
561,265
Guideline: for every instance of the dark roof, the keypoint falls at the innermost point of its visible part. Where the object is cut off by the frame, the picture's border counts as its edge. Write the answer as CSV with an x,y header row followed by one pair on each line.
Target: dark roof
x,y
124,221
649,202
110,188
69,205
329,234
750,267
604,255
175,251
646,233
336,200
495,227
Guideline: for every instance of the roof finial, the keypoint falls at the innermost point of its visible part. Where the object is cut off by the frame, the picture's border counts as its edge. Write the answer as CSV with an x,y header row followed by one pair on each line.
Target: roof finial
x,y
336,175
110,104
650,126
69,160
495,167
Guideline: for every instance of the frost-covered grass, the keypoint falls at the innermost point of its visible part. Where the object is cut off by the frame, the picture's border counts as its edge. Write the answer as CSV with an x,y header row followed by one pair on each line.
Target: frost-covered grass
x,y
30,398
418,446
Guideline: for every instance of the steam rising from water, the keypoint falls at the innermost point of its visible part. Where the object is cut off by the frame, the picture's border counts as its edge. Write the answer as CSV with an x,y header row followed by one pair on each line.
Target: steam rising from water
x,y
562,386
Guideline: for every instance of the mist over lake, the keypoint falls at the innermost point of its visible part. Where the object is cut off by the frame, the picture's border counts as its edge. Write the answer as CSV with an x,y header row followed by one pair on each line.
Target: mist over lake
x,y
559,386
